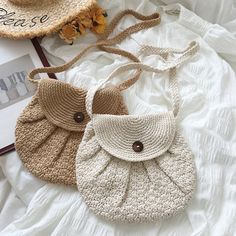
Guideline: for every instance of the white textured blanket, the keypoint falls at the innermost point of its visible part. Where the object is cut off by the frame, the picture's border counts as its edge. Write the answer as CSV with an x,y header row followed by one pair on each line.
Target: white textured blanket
x,y
207,118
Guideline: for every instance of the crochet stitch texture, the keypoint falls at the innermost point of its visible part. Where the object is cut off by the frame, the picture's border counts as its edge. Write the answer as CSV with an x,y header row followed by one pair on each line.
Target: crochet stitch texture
x,y
136,168
47,136
134,190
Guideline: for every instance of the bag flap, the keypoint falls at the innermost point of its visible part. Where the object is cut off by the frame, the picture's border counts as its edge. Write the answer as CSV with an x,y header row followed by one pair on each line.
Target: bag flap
x,y
60,102
119,135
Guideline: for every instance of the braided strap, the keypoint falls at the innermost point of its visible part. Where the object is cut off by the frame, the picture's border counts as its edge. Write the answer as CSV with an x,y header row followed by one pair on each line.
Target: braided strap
x,y
164,53
148,21
153,20
90,96
170,66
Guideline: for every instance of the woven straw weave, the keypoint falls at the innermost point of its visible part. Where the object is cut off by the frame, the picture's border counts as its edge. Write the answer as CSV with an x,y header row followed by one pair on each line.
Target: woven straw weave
x,y
123,185
47,136
42,17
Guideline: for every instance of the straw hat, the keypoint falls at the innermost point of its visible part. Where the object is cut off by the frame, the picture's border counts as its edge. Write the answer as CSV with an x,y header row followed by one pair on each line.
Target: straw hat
x,y
31,18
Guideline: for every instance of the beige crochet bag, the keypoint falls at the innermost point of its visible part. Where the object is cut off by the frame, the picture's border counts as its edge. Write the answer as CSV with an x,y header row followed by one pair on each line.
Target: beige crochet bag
x,y
136,168
50,128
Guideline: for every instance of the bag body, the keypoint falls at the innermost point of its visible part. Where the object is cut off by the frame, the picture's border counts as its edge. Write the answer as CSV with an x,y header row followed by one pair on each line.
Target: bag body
x,y
124,185
136,168
48,132
50,128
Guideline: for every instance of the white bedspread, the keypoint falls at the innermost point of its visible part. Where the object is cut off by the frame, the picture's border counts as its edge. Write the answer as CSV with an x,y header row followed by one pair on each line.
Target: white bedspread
x,y
30,206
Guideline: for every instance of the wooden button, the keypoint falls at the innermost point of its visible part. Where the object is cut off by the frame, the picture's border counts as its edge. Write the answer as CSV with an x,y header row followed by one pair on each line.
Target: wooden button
x,y
78,117
137,146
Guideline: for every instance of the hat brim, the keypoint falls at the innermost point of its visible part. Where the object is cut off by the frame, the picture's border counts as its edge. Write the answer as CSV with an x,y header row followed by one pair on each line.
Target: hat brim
x,y
19,22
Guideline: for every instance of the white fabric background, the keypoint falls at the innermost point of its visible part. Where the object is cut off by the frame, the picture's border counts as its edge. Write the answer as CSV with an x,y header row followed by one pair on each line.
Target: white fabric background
x,y
215,11
207,117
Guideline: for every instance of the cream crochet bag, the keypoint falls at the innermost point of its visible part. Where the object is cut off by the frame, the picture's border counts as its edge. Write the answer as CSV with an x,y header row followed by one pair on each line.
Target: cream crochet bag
x,y
136,168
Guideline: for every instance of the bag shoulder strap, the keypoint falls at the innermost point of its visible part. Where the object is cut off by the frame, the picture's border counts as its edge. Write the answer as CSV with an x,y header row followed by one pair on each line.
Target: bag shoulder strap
x,y
170,66
164,53
104,42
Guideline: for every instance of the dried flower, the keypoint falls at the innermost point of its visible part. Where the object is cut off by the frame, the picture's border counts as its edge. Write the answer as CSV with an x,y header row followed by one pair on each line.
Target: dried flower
x,y
93,20
81,28
68,33
99,21
85,19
